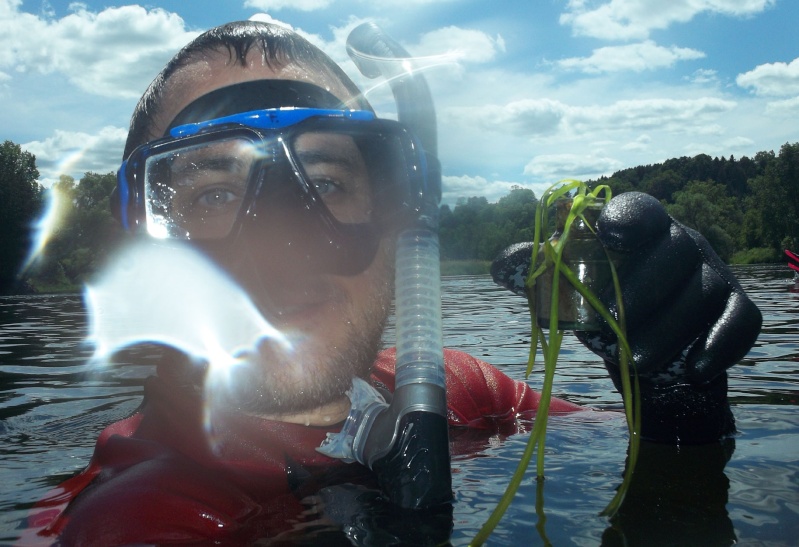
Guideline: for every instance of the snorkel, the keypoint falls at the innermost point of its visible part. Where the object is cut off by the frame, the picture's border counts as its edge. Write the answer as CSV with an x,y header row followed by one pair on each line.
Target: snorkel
x,y
406,442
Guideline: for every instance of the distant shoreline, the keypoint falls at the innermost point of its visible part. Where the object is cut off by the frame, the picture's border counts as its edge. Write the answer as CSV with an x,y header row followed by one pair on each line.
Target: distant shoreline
x,y
465,267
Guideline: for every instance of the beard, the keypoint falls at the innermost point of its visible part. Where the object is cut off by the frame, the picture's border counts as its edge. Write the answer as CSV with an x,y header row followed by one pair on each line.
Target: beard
x,y
312,371
325,351
276,381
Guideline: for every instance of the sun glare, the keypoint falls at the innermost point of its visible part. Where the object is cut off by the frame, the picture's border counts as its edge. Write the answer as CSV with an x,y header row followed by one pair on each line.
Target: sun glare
x,y
47,225
170,294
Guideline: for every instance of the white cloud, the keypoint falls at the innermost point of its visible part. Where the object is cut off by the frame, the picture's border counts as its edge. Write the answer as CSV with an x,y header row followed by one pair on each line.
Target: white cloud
x,y
113,53
635,19
526,117
739,146
461,45
635,57
500,127
641,143
266,18
772,79
737,143
787,107
465,186
555,167
376,91
703,76
313,5
441,54
276,5
673,115
544,117
74,153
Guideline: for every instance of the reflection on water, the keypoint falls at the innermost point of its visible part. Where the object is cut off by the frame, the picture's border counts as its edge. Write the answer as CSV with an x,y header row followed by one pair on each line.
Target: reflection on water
x,y
52,406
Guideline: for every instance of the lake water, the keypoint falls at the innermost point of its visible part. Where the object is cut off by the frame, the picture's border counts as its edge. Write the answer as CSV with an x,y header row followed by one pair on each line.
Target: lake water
x,y
52,408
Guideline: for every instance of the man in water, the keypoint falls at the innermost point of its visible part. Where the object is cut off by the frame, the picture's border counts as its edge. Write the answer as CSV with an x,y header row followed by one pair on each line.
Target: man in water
x,y
303,212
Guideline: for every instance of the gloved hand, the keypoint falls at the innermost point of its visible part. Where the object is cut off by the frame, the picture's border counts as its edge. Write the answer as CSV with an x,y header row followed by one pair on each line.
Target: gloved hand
x,y
688,319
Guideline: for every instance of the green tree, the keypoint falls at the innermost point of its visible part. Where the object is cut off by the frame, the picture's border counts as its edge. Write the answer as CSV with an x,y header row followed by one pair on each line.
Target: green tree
x,y
776,196
460,231
618,183
751,235
477,229
518,207
662,184
87,230
20,202
706,207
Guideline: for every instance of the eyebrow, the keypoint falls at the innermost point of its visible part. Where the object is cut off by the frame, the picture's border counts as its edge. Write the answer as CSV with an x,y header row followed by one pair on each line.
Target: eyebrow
x,y
322,155
217,163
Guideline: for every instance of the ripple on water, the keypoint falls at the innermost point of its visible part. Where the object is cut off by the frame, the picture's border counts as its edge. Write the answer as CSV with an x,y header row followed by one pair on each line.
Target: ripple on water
x,y
52,406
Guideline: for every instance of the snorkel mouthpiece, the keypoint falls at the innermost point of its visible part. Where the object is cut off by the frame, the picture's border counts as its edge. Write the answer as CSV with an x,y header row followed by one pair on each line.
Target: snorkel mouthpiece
x,y
406,442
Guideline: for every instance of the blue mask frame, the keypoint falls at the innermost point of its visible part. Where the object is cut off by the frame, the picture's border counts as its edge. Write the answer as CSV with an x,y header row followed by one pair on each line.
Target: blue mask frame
x,y
338,247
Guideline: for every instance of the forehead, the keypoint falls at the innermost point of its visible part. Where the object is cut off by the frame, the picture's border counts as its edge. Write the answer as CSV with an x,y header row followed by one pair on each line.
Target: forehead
x,y
215,69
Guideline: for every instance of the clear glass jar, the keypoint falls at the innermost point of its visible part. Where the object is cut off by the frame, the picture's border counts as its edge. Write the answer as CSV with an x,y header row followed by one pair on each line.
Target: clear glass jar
x,y
584,255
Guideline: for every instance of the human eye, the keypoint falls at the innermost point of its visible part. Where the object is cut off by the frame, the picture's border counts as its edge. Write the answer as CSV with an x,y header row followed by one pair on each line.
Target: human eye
x,y
334,176
212,186
202,192
209,209
335,168
325,185
344,194
216,198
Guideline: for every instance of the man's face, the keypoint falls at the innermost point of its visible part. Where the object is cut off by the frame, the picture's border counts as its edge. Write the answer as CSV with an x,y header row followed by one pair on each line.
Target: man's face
x,y
333,322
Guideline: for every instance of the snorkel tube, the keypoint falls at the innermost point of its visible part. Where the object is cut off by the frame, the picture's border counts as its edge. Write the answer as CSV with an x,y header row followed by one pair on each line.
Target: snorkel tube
x,y
406,442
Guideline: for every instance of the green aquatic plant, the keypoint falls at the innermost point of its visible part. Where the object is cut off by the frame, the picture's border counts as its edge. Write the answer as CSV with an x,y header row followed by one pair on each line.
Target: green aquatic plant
x,y
548,258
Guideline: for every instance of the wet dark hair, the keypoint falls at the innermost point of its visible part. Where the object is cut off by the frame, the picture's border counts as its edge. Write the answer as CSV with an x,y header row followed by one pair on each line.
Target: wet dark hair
x,y
279,47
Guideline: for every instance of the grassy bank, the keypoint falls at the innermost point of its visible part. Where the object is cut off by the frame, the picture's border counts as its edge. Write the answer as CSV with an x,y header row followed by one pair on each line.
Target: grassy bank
x,y
38,287
757,256
465,267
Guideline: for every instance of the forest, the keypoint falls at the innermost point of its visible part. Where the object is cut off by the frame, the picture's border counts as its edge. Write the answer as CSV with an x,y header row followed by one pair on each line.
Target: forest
x,y
747,208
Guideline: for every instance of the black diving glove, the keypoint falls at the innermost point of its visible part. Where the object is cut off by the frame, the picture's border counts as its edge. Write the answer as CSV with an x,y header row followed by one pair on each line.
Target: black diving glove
x,y
688,319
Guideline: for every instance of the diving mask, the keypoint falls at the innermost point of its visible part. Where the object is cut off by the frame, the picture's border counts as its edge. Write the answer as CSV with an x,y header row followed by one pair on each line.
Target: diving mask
x,y
320,181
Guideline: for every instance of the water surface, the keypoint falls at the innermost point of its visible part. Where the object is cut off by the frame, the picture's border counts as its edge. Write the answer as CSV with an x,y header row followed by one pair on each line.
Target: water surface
x,y
53,405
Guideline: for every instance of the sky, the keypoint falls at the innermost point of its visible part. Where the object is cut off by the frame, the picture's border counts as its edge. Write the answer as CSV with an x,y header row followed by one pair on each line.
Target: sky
x,y
527,92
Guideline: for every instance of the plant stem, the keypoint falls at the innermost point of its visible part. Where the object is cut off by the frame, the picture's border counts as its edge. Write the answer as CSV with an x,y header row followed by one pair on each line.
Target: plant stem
x,y
546,255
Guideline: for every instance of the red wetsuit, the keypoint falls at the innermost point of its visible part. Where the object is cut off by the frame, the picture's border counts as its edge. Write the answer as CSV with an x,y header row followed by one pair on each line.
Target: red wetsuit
x,y
158,477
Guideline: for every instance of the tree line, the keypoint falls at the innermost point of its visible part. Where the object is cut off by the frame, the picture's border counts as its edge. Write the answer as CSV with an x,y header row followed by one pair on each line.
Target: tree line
x,y
747,208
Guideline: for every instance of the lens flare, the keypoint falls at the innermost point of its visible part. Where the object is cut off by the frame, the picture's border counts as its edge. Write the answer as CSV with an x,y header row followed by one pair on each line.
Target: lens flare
x,y
171,294
407,66
47,224
73,153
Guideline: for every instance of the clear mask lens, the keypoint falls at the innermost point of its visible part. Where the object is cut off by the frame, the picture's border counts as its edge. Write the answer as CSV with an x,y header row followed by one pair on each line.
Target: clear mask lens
x,y
198,191
346,172
335,167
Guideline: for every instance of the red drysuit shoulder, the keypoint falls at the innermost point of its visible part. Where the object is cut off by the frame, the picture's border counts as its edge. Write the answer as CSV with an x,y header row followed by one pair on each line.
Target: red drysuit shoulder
x,y
478,395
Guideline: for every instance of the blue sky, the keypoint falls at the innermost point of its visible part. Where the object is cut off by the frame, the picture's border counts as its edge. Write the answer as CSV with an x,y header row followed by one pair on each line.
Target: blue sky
x,y
527,92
